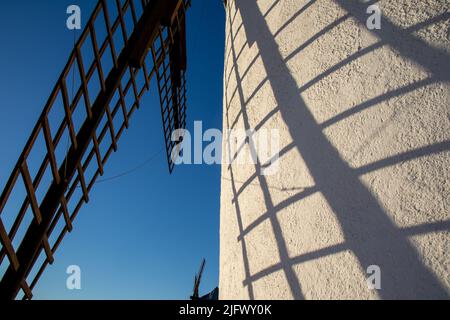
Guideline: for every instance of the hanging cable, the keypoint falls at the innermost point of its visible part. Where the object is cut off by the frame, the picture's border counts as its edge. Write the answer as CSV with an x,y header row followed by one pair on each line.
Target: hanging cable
x,y
132,170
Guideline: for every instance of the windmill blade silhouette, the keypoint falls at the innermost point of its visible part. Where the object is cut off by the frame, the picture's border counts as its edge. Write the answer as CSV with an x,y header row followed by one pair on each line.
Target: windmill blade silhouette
x,y
197,280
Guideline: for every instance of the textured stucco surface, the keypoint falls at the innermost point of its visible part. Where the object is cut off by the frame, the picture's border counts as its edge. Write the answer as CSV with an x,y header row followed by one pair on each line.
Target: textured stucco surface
x,y
364,169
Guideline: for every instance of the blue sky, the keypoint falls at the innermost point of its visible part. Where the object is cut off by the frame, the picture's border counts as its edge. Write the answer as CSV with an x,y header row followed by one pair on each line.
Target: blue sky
x,y
141,236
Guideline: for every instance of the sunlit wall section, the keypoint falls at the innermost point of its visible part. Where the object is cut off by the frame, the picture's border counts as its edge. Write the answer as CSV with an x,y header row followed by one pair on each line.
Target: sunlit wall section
x,y
352,201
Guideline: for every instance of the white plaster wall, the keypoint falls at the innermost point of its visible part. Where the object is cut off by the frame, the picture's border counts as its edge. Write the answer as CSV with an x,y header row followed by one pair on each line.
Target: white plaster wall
x,y
364,178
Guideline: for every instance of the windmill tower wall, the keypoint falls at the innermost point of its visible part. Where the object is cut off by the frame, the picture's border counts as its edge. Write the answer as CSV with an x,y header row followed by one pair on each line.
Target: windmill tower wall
x,y
362,185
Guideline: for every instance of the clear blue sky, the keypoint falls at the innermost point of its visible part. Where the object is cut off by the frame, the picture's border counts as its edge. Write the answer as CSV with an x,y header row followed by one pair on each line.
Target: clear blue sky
x,y
141,236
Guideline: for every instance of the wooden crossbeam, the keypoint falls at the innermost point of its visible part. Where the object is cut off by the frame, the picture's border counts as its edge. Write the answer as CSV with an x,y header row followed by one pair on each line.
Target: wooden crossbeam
x,y
31,192
135,90
122,103
7,245
35,206
97,57
65,96
83,183
110,34
26,289
51,150
102,80
66,214
111,128
122,22
87,103
48,250
8,189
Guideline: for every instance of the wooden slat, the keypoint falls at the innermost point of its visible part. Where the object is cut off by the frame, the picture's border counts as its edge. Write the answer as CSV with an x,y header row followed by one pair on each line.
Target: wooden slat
x,y
26,289
146,76
35,206
66,214
102,80
31,192
69,121
51,150
122,102
7,245
38,274
122,22
172,12
9,187
98,61
88,105
83,183
80,64
48,250
135,90
97,153
16,225
110,35
133,12
111,128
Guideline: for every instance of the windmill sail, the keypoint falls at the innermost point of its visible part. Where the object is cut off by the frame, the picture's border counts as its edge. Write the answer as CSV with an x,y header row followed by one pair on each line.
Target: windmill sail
x,y
142,39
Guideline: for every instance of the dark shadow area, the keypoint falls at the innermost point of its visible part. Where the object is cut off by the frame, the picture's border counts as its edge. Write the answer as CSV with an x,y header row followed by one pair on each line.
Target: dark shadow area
x,y
368,231
239,217
282,248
